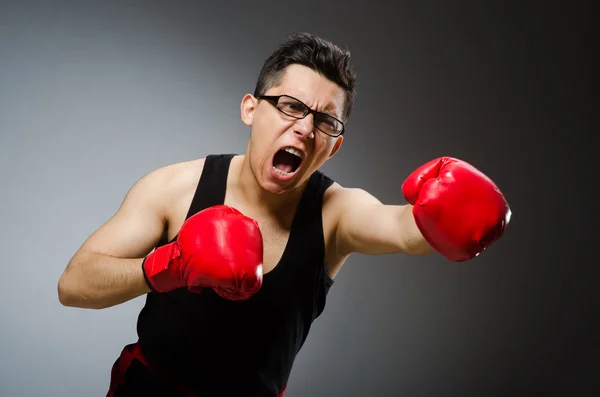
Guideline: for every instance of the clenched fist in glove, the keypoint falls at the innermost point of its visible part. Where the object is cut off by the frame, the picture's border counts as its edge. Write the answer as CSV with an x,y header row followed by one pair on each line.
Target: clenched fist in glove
x,y
217,248
458,209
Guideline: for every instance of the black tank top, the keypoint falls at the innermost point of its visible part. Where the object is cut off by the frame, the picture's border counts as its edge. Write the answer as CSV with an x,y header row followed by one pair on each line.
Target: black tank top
x,y
217,347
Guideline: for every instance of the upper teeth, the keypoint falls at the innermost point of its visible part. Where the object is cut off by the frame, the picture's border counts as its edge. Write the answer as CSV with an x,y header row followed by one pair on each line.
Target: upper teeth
x,y
293,151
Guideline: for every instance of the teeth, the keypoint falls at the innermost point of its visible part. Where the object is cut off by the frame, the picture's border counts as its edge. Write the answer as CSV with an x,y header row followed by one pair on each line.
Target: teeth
x,y
293,151
280,172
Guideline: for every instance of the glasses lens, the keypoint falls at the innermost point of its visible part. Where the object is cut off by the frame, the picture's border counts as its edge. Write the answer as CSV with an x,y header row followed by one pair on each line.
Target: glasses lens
x,y
291,107
329,125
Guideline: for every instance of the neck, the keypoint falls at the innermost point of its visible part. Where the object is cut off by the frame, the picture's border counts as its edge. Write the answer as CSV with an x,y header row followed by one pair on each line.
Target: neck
x,y
252,193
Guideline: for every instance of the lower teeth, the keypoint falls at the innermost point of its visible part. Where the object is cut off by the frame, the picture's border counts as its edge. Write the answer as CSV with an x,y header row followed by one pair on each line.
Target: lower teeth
x,y
280,172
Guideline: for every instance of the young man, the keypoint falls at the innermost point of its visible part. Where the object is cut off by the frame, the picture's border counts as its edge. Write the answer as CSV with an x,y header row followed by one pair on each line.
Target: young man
x,y
236,253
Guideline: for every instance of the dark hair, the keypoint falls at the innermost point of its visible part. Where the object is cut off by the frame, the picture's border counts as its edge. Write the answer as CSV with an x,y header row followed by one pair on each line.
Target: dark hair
x,y
316,53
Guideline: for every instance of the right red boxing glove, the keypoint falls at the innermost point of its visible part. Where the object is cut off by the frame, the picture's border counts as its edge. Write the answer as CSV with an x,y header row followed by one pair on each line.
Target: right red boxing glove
x,y
217,248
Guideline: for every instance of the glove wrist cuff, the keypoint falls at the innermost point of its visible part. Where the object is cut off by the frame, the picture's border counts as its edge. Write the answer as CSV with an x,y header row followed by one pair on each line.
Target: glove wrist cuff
x,y
160,269
148,282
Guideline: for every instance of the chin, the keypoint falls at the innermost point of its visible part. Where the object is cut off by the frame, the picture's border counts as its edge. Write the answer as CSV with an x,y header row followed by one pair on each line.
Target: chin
x,y
275,183
273,187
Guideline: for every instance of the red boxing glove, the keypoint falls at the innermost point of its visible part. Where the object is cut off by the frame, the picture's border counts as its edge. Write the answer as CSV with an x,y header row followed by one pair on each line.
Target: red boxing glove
x,y
218,247
458,209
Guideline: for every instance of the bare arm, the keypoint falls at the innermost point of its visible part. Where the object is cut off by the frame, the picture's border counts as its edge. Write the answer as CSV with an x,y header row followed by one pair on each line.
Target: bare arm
x,y
107,268
367,226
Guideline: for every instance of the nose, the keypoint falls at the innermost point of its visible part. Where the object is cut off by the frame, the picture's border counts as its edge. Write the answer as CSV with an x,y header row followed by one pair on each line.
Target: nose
x,y
305,127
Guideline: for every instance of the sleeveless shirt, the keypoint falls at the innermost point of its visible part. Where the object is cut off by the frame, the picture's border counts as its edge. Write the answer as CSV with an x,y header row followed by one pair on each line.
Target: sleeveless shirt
x,y
217,347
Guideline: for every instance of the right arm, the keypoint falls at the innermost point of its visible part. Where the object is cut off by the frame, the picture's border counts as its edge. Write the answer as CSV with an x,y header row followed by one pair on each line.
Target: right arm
x,y
107,268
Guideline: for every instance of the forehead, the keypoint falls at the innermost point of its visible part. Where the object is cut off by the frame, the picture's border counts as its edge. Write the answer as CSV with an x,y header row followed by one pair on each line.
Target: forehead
x,y
312,88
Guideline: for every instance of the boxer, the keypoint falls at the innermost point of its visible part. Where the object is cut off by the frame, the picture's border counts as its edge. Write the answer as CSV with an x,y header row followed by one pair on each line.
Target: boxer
x,y
235,253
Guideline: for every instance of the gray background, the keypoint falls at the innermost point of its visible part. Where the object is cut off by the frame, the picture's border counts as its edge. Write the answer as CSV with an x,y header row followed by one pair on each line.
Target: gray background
x,y
93,95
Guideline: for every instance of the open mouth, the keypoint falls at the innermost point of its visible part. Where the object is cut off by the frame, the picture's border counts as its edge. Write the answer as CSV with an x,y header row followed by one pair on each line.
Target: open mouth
x,y
286,161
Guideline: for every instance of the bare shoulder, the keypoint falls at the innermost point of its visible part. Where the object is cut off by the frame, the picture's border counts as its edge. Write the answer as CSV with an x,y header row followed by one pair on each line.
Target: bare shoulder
x,y
180,182
340,204
332,198
179,173
181,177
168,182
338,199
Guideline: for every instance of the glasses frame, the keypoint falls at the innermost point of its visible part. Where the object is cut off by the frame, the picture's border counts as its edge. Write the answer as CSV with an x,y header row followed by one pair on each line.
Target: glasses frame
x,y
274,99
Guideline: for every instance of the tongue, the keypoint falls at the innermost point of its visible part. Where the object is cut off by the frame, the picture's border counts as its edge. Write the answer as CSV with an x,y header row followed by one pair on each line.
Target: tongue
x,y
285,161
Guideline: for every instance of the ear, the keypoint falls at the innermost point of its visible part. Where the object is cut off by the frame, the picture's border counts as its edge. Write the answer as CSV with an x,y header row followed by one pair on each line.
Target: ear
x,y
247,108
336,145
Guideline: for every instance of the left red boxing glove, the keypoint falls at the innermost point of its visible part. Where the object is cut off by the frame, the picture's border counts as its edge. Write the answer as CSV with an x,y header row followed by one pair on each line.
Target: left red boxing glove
x,y
458,209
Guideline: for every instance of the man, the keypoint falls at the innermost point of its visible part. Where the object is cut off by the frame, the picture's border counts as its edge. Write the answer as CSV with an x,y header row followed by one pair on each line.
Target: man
x,y
236,253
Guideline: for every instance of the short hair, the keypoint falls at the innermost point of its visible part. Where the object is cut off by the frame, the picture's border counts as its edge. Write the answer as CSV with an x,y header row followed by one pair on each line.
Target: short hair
x,y
316,53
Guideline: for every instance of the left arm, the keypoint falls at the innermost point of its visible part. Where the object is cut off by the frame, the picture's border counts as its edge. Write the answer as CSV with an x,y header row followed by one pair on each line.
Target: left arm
x,y
366,226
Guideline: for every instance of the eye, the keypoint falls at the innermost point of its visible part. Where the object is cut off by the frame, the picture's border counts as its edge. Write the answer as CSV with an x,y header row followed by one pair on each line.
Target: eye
x,y
328,122
294,106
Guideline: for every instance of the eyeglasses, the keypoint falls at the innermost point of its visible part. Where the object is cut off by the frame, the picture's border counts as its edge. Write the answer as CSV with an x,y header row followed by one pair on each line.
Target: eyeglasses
x,y
293,107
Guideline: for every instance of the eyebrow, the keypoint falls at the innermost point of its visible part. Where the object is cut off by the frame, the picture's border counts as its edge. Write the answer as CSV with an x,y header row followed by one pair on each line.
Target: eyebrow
x,y
330,109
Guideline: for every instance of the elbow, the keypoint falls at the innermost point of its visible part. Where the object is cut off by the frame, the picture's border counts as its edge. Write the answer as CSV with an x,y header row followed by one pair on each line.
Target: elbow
x,y
71,293
66,295
69,287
